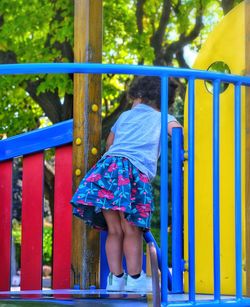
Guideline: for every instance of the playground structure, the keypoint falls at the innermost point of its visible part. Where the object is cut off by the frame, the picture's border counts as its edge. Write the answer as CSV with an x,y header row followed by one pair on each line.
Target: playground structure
x,y
216,232
31,145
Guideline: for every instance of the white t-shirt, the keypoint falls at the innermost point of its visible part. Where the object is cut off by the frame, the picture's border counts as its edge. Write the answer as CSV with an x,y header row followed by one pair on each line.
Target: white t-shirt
x,y
137,137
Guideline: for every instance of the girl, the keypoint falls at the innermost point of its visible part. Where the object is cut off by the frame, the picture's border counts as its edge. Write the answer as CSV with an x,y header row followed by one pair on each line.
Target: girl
x,y
116,193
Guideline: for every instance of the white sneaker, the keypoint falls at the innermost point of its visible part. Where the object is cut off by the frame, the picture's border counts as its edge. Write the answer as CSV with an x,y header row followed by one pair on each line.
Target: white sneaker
x,y
115,283
136,284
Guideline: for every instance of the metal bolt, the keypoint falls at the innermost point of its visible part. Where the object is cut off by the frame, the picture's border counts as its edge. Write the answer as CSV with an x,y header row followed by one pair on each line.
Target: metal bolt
x,y
78,172
94,151
95,107
78,141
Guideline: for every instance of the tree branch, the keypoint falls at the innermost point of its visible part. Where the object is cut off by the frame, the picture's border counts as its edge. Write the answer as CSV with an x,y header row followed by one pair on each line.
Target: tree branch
x,y
184,39
64,47
180,58
1,20
227,5
139,21
66,50
157,38
7,57
139,15
48,101
67,107
177,7
49,175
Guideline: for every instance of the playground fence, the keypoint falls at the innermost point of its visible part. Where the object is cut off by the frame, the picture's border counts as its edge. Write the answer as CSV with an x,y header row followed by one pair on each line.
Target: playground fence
x,y
31,148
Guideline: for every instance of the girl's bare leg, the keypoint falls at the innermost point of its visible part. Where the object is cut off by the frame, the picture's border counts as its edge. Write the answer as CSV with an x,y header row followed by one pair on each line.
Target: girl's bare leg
x,y
114,242
132,246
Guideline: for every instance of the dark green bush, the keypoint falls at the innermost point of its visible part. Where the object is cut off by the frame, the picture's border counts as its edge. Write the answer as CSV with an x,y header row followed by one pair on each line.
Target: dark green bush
x,y
47,243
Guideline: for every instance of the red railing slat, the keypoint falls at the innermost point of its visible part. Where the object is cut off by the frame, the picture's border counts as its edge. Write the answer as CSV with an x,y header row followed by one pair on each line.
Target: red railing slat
x,y
5,223
32,222
62,218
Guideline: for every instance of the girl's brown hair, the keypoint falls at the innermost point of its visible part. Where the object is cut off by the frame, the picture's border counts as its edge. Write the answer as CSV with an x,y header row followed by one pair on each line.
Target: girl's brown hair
x,y
148,89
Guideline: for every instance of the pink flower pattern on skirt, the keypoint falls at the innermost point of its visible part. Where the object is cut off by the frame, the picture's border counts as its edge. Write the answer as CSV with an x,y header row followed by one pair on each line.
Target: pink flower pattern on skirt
x,y
112,167
144,178
105,194
93,177
123,181
114,183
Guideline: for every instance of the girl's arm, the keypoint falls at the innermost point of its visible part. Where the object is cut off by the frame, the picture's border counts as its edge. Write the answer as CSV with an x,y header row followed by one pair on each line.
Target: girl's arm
x,y
110,140
173,124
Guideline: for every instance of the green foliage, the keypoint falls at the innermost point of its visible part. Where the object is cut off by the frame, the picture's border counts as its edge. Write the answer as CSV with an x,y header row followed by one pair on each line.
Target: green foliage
x,y
47,243
18,112
16,232
42,31
30,32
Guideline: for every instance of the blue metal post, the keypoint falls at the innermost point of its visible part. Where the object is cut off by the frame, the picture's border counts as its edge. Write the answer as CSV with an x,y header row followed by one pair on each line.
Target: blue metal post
x,y
148,237
191,197
238,201
177,210
164,188
216,187
104,268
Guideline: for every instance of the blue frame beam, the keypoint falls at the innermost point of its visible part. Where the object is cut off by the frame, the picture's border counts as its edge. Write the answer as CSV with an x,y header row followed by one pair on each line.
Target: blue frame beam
x,y
37,140
95,68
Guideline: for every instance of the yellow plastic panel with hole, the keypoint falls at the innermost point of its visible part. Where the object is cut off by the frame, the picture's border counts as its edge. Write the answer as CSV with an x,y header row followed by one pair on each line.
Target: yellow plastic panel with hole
x,y
227,44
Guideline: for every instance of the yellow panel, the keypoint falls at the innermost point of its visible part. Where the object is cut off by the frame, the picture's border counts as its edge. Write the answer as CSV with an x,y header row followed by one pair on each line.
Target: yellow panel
x,y
226,43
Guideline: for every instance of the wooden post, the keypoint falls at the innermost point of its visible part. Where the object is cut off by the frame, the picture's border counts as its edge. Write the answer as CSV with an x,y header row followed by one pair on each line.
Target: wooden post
x,y
247,151
87,134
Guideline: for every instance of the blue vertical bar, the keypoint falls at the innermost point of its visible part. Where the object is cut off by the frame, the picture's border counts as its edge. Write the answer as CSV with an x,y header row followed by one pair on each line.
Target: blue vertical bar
x,y
148,237
216,187
238,201
191,199
164,189
104,268
177,210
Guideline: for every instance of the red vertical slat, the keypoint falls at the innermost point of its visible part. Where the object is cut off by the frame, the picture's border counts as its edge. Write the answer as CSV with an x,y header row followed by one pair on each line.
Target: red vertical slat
x,y
5,223
32,222
62,218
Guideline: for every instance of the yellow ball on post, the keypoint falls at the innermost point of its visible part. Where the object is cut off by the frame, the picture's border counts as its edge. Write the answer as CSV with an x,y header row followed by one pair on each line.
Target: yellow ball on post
x,y
94,151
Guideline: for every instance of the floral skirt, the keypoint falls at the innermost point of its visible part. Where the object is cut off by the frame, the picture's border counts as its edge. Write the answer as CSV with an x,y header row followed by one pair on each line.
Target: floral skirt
x,y
114,183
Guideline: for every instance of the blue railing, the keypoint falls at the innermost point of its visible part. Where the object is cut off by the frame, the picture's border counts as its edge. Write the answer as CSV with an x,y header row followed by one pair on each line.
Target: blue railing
x,y
191,76
37,140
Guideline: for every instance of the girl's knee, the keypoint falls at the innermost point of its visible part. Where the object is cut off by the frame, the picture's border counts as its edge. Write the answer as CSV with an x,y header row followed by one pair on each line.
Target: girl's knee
x,y
115,230
131,230
128,228
113,221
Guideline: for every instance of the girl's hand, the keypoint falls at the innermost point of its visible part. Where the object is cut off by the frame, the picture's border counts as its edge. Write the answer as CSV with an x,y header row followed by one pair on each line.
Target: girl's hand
x,y
173,124
110,140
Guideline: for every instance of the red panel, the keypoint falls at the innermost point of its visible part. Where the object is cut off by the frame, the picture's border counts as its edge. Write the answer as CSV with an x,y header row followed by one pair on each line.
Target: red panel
x,y
32,222
5,223
62,218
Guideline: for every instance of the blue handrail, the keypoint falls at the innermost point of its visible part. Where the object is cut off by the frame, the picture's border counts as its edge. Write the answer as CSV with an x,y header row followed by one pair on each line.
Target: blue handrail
x,y
37,140
96,68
